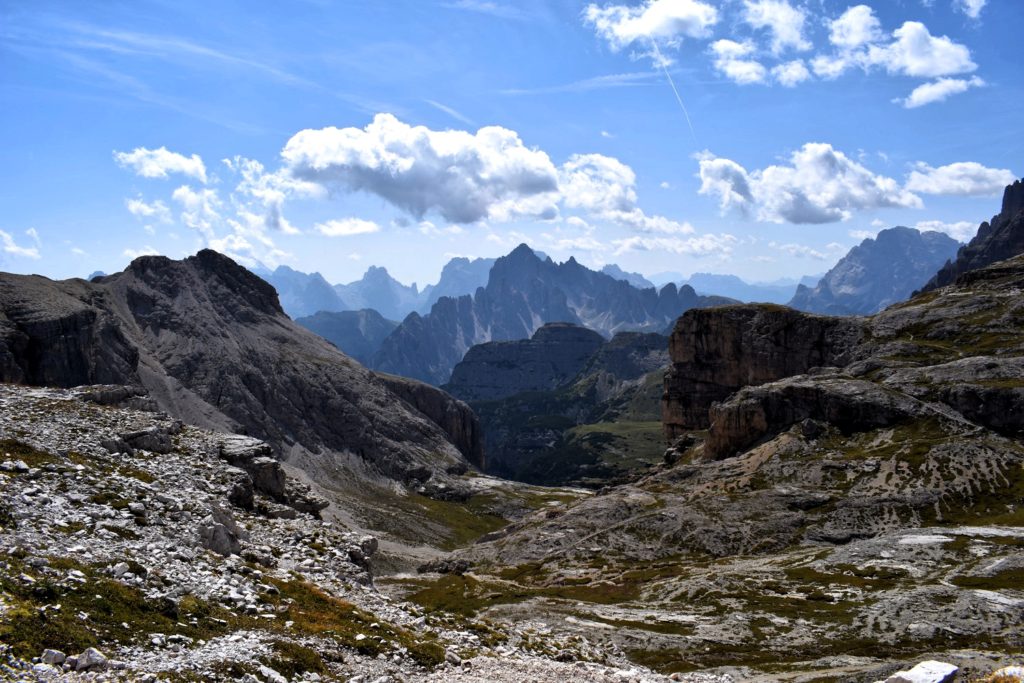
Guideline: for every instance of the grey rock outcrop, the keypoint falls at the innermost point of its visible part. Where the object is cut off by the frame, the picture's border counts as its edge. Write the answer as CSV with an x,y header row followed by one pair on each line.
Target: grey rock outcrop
x,y
302,294
877,273
208,341
998,239
381,292
554,355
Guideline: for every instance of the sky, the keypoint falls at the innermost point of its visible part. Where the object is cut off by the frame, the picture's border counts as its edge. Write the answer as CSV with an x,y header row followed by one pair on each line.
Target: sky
x,y
762,138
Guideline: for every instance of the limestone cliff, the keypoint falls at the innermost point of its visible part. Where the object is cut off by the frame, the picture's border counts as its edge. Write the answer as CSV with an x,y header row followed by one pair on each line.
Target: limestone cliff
x,y
714,352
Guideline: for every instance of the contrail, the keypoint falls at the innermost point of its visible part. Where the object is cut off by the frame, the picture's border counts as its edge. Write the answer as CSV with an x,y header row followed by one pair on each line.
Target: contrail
x,y
661,63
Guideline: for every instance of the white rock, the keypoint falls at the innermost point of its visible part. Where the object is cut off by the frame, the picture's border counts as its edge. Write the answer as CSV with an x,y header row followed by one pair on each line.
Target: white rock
x,y
271,676
926,672
53,657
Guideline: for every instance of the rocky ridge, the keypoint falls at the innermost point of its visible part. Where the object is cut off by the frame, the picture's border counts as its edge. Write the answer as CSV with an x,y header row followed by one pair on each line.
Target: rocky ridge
x,y
358,334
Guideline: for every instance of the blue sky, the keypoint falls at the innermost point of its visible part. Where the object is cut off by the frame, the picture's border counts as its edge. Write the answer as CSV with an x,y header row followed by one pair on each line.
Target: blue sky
x,y
331,136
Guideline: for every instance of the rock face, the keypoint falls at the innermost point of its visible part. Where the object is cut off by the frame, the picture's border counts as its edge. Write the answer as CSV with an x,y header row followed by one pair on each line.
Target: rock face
x,y
1001,238
715,352
554,355
522,293
358,333
635,279
210,344
877,273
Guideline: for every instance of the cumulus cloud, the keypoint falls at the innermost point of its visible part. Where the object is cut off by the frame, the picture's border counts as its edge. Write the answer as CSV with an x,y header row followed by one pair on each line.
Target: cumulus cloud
x,y
156,210
597,183
911,50
639,221
971,8
144,251
939,91
804,251
160,163
270,190
667,21
964,178
784,22
791,73
11,247
200,209
732,60
346,227
464,177
916,52
961,231
855,27
703,245
821,185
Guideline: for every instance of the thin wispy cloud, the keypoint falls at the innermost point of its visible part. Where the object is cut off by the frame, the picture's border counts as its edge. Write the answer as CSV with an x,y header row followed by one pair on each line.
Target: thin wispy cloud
x,y
495,9
454,113
623,80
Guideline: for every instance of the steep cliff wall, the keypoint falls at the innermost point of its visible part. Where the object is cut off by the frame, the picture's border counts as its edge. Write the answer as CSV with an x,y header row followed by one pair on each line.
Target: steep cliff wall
x,y
716,351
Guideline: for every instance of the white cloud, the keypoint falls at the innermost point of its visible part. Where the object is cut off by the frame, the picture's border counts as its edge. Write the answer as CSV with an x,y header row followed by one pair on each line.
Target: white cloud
x,y
916,52
703,245
804,251
855,27
785,22
961,231
821,185
637,220
156,210
11,247
939,91
464,177
159,163
732,60
791,73
78,251
964,178
144,251
428,228
911,51
270,190
346,227
971,8
200,209
863,234
665,185
597,183
667,21
585,243
606,134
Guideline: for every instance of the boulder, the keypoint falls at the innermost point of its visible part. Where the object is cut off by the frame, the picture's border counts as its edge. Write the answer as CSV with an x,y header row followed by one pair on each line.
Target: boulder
x,y
926,672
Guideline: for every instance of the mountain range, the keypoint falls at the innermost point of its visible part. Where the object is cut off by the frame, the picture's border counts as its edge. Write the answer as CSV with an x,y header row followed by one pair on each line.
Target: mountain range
x,y
523,292
878,272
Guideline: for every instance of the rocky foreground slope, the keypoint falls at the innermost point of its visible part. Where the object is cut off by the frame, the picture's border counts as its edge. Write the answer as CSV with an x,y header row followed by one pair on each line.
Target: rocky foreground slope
x,y
137,548
855,508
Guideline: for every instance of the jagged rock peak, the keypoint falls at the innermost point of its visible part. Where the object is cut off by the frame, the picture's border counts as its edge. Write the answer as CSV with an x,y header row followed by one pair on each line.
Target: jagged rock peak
x,y
1013,198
